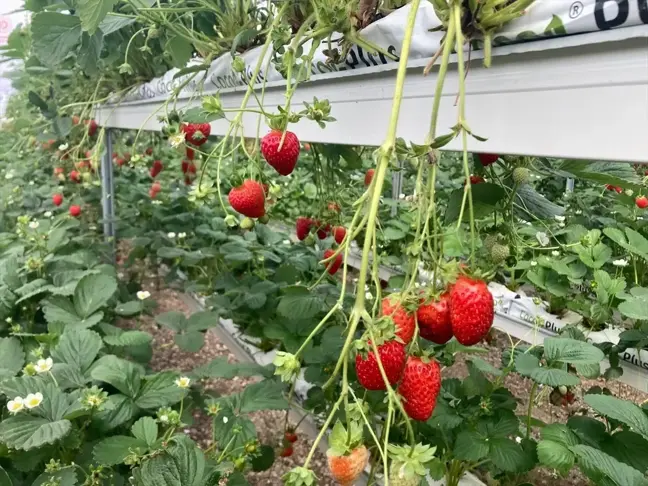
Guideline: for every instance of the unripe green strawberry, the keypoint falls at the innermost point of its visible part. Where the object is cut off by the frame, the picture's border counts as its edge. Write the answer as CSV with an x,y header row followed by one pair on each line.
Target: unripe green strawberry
x,y
489,241
521,175
499,252
247,223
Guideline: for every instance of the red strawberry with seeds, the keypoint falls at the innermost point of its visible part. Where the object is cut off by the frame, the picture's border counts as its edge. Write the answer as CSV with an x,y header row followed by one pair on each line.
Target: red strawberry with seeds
x,y
403,319
92,127
149,151
334,265
156,168
75,210
120,161
75,176
323,230
369,176
290,436
248,199
302,227
58,170
420,387
156,186
434,320
339,233
187,181
487,159
475,179
392,356
57,199
287,451
641,202
282,159
196,133
191,153
471,310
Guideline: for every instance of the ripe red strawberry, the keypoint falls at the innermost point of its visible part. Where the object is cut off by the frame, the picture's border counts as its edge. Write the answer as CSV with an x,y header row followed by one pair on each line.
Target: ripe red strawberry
x,y
152,193
156,186
334,265
392,355
347,469
282,159
290,436
369,176
57,199
434,320
75,210
149,151
487,159
196,133
58,170
75,176
475,179
92,127
403,319
248,199
471,310
339,233
286,451
323,230
156,168
188,181
420,387
641,202
302,227
120,161
191,153
188,167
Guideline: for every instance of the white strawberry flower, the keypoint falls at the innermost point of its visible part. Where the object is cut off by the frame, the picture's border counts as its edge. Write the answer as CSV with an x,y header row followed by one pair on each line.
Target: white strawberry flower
x,y
171,235
44,365
534,263
559,218
33,400
177,139
182,235
143,294
620,263
34,224
183,382
555,253
16,405
48,214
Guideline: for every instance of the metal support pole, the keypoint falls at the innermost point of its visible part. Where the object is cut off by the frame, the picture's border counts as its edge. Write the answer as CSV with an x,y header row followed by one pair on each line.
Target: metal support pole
x,y
108,192
397,187
570,185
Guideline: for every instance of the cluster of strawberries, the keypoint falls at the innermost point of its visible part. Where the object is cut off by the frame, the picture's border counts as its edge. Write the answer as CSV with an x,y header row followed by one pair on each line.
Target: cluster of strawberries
x,y
74,210
249,197
465,311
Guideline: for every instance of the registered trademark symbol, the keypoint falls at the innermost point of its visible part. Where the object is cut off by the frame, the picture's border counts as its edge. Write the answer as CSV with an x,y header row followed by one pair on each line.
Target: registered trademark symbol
x,y
575,10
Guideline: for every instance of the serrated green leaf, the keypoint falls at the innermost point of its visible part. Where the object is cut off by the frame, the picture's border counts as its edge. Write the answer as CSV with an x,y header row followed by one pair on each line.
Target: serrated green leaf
x,y
174,320
160,390
470,446
78,347
12,357
301,304
146,429
191,341
129,338
54,36
571,351
621,410
26,432
555,455
635,308
92,293
620,473
93,12
201,321
507,455
130,308
113,450
122,374
266,395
